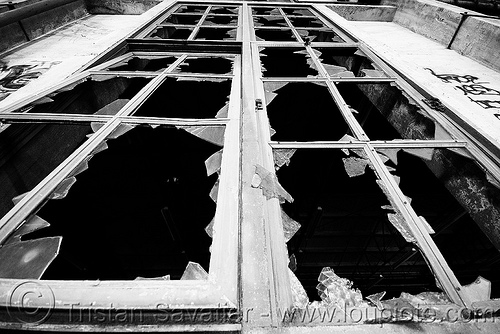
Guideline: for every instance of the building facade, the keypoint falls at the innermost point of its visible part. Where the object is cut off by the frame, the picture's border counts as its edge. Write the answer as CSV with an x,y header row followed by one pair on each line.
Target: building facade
x,y
252,166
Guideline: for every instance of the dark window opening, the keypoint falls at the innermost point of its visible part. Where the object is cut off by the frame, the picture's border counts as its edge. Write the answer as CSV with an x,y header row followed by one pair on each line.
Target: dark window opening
x,y
191,9
90,96
305,112
317,35
221,20
464,245
278,35
385,113
217,34
29,152
214,65
183,19
269,21
265,11
371,120
360,66
344,227
186,99
304,22
224,10
285,62
171,33
139,210
144,64
297,11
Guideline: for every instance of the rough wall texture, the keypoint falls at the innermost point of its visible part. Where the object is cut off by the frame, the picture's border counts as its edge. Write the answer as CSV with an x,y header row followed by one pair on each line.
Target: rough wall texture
x,y
18,33
365,13
130,7
477,37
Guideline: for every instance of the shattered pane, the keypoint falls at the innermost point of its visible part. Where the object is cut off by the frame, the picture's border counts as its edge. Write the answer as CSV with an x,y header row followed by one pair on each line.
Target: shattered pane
x,y
212,65
194,272
139,195
28,259
347,58
174,99
355,166
285,62
277,35
338,292
171,32
351,231
299,295
144,64
215,34
188,19
282,157
291,115
33,151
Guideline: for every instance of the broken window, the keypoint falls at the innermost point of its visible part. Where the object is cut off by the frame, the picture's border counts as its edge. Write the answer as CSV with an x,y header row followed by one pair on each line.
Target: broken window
x,y
138,193
172,32
302,111
144,63
211,97
286,62
346,225
347,62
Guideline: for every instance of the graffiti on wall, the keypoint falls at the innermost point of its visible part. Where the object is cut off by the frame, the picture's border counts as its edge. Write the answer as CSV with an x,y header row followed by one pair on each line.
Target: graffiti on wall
x,y
477,92
17,76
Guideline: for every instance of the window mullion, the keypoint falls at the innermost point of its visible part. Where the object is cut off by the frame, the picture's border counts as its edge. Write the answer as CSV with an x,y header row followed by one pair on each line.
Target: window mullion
x,y
438,264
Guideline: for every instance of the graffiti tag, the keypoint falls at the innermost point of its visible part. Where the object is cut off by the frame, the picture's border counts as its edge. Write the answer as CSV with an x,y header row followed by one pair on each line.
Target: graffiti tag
x,y
17,76
470,86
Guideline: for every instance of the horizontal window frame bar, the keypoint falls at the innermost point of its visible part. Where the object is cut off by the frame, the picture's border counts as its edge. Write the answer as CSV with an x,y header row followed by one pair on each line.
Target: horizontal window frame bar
x,y
376,144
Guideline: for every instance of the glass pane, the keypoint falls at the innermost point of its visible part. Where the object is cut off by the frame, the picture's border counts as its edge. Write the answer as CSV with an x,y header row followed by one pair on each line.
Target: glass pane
x,y
286,62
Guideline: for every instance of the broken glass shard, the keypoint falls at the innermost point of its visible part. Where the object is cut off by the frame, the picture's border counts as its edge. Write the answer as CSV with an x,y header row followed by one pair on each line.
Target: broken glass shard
x,y
299,295
63,188
194,271
355,166
338,292
212,134
28,259
282,157
290,226
269,184
32,224
213,163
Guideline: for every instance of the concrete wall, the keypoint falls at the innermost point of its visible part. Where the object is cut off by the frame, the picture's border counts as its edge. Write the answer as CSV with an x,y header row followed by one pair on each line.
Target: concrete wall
x,y
478,38
40,24
365,13
130,7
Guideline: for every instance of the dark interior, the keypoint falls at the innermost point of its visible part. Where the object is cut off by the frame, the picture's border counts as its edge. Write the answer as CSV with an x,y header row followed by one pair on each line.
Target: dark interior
x,y
345,228
278,35
213,65
139,210
175,99
284,62
145,64
305,112
172,32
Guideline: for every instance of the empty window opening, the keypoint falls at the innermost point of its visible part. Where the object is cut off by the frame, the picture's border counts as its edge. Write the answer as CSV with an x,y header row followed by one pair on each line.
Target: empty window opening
x,y
309,22
359,65
319,35
217,34
183,19
265,11
144,64
371,120
343,226
214,65
297,11
29,152
385,113
305,112
139,210
175,99
286,62
171,33
224,10
191,9
221,20
278,35
269,21
91,96
464,245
